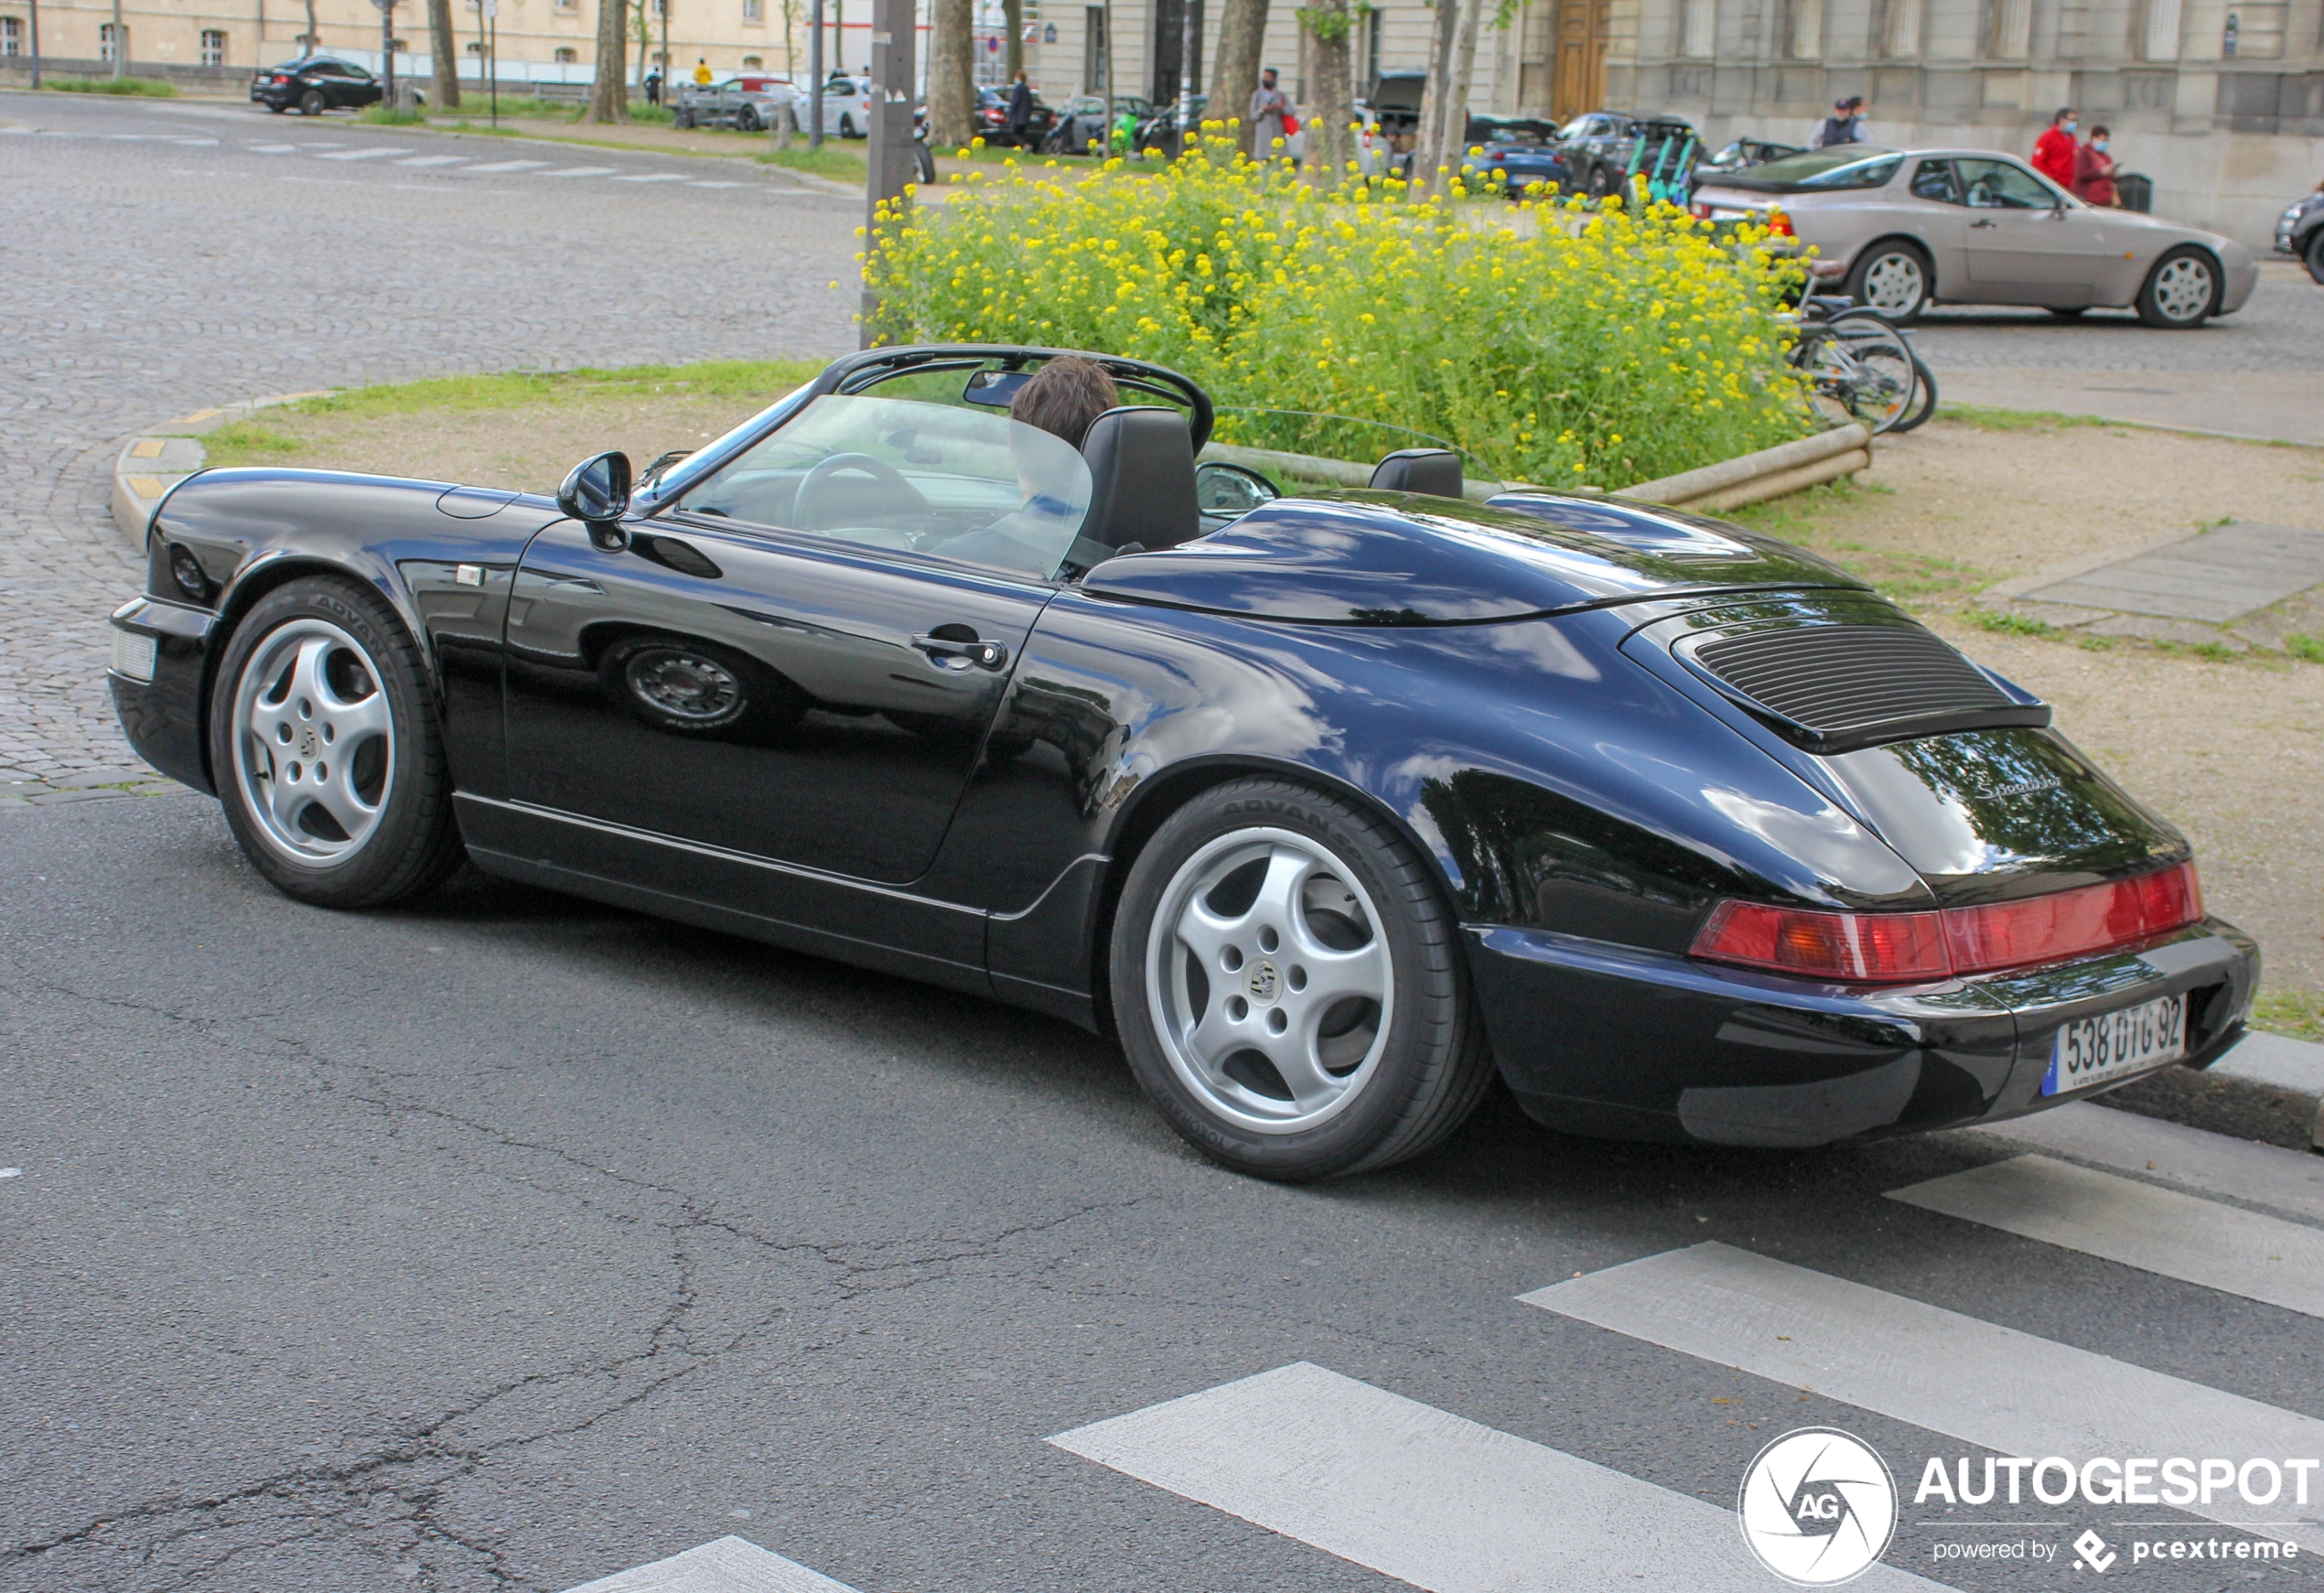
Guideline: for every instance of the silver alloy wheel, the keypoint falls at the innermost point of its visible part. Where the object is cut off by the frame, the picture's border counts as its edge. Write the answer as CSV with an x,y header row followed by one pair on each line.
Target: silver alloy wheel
x,y
2183,289
1894,284
315,743
1269,981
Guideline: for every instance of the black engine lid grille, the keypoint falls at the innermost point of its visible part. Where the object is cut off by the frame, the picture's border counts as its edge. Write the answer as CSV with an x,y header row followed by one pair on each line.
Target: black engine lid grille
x,y
1836,687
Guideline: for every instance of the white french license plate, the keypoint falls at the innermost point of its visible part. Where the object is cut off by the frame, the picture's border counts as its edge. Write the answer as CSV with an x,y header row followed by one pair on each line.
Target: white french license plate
x,y
2094,1050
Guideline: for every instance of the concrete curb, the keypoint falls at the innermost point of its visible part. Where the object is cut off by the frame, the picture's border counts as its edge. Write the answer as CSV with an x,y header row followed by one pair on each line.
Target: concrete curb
x,y
150,464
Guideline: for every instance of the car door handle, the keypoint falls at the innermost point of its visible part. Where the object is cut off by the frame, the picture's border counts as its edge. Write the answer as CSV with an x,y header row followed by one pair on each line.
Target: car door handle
x,y
1984,221
952,654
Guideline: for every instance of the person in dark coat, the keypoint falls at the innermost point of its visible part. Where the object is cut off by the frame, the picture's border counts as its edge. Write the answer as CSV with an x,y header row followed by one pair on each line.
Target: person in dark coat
x,y
2094,171
1020,107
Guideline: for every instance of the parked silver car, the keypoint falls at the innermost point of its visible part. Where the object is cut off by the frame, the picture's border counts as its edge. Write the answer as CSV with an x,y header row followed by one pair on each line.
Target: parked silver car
x,y
1912,228
750,102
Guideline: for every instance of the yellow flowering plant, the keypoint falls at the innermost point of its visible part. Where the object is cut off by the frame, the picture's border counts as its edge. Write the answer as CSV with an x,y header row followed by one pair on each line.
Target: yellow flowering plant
x,y
1555,343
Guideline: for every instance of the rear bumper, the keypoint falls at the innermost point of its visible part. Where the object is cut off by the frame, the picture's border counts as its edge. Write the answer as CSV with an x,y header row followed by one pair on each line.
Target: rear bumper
x,y
163,716
1606,1039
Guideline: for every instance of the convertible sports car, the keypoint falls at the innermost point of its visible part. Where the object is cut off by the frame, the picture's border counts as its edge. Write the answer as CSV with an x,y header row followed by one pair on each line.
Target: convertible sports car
x,y
1329,807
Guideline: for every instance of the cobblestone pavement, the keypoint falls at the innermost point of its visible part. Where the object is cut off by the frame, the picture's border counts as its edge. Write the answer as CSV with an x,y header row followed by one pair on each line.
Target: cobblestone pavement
x,y
2278,331
155,263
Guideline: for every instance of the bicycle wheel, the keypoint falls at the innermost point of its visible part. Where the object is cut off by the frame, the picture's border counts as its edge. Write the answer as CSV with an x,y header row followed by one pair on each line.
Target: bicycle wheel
x,y
1924,396
1862,366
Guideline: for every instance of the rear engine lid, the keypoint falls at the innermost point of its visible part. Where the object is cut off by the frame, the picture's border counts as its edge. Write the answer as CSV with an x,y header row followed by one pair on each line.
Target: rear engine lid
x,y
1398,558
1841,167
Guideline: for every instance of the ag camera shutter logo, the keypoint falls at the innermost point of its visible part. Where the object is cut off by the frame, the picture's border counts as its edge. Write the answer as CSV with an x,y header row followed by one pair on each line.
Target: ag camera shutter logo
x,y
1818,1507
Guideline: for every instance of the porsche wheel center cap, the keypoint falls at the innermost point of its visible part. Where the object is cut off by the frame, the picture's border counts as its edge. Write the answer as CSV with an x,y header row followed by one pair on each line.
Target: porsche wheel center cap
x,y
1264,981
307,745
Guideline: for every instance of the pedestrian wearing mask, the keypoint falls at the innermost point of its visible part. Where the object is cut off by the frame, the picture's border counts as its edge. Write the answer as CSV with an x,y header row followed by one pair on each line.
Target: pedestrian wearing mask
x,y
1270,113
2094,171
2055,152
1837,128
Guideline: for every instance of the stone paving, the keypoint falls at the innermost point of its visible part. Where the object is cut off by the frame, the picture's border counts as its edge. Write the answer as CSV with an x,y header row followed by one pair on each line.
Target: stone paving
x,y
148,278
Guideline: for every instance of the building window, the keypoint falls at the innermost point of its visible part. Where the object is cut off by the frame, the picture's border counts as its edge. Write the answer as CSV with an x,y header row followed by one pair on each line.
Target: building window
x,y
566,56
108,42
213,48
11,35
754,11
754,61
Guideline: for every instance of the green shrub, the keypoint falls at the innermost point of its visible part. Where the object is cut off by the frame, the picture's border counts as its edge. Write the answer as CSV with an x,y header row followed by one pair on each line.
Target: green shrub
x,y
829,161
150,87
1553,345
2310,648
2009,624
390,116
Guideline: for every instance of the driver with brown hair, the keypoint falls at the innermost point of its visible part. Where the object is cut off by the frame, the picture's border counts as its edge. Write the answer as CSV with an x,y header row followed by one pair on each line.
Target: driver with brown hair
x,y
1063,398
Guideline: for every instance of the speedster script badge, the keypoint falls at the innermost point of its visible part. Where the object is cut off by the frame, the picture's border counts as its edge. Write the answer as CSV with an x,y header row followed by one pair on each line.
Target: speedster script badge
x,y
1818,1507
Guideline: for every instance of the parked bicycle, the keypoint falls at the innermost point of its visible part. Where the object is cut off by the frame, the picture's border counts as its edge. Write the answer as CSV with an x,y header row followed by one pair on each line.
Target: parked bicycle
x,y
1862,364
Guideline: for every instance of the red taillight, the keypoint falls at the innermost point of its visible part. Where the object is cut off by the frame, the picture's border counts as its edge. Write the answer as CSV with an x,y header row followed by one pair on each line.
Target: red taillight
x,y
281,80
1778,225
1851,948
1702,211
2045,928
1901,948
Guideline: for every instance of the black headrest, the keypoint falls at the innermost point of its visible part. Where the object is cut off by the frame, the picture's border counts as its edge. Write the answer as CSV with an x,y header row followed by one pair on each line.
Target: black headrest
x,y
1435,471
1141,479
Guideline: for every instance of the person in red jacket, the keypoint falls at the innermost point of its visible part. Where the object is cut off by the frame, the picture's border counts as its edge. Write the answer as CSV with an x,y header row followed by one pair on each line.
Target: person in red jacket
x,y
2054,151
2094,171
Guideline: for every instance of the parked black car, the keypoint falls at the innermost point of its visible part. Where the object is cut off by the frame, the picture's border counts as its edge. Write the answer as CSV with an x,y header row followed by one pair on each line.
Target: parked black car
x,y
2299,233
1082,121
992,119
1519,154
1601,148
315,84
1329,807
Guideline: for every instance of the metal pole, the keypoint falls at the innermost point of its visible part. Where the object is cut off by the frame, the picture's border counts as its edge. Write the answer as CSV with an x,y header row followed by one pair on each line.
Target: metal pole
x,y
815,75
35,9
1106,60
1189,18
120,43
891,162
664,64
387,50
493,55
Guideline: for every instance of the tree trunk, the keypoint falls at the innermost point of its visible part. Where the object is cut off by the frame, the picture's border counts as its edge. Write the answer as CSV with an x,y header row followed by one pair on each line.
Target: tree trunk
x,y
1328,23
1428,150
951,73
445,49
314,34
1235,71
609,96
1454,135
1013,51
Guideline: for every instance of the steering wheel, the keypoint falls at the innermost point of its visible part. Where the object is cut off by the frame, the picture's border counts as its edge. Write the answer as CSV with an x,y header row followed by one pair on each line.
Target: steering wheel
x,y
902,497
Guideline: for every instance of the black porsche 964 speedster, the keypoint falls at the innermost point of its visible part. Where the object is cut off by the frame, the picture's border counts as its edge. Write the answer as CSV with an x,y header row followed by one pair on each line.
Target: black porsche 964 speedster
x,y
1329,806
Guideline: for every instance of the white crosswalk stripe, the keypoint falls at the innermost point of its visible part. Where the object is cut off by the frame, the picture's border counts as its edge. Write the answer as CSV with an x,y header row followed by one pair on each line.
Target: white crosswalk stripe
x,y
2265,1175
1987,1385
714,185
1425,1496
729,1565
2160,1231
582,171
272,148
654,177
506,166
435,160
362,154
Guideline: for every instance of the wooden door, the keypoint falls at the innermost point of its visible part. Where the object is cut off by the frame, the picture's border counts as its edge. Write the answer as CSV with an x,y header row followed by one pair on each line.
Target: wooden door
x,y
1579,84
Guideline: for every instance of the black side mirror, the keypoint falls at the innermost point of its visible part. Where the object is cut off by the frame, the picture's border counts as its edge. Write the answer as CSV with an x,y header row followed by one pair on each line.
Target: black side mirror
x,y
1223,488
596,493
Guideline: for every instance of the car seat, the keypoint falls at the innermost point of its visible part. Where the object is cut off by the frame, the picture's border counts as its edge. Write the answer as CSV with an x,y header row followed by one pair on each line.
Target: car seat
x,y
1142,492
1433,471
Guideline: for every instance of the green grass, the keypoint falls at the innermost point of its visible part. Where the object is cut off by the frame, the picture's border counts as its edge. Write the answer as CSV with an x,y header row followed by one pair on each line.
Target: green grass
x,y
2014,420
149,88
2297,1013
845,165
244,442
2307,648
757,379
2009,624
474,105
2097,644
390,116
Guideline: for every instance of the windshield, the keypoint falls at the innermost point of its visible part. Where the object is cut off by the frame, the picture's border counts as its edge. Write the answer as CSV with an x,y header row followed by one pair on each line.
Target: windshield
x,y
958,482
1847,166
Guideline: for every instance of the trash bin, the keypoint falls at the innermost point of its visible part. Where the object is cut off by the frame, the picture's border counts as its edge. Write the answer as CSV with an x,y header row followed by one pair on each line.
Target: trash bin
x,y
2134,190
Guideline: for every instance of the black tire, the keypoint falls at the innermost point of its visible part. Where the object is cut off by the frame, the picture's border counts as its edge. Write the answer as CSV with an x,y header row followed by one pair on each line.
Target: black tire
x,y
1924,396
683,119
924,161
312,102
689,687
748,120
415,841
2167,299
1600,183
2314,254
1418,1077
1892,279
846,125
2066,312
277,110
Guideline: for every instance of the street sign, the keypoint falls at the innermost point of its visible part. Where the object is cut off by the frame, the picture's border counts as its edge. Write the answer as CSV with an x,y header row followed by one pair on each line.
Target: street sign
x,y
386,5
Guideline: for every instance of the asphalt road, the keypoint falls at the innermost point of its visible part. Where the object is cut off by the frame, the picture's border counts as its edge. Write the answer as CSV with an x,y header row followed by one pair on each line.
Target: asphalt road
x,y
509,1242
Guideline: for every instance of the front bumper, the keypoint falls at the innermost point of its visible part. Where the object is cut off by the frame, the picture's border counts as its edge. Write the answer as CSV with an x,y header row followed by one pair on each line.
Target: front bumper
x,y
162,717
1599,1038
